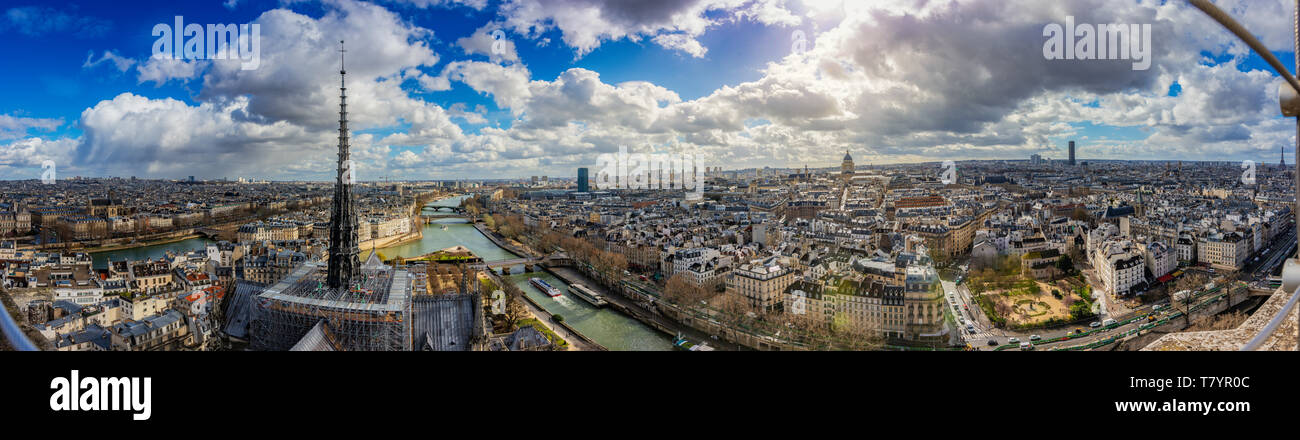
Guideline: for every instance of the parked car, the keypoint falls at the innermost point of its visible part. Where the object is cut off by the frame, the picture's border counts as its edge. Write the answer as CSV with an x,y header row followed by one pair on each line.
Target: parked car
x,y
993,342
1035,337
1095,324
1013,340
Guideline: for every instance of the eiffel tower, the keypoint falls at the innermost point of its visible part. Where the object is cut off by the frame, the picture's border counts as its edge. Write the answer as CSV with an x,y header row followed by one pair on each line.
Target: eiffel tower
x,y
344,265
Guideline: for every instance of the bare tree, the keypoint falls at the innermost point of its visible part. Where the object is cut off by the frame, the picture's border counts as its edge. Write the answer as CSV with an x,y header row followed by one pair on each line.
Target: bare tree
x,y
515,310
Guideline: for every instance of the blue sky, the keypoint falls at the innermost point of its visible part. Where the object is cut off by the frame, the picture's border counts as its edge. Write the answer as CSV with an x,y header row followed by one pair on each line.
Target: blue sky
x,y
892,81
54,60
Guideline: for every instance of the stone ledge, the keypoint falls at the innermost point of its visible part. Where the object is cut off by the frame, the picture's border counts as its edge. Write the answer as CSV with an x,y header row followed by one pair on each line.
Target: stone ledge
x,y
1283,338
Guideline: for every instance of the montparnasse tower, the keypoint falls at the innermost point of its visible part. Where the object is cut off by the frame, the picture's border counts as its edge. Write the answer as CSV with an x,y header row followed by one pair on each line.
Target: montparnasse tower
x,y
344,263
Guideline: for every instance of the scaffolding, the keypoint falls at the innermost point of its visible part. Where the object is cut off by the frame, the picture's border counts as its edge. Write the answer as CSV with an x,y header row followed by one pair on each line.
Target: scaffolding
x,y
371,314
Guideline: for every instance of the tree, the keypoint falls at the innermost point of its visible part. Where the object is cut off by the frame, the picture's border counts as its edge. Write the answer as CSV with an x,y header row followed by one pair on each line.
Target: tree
x,y
515,310
682,291
1065,264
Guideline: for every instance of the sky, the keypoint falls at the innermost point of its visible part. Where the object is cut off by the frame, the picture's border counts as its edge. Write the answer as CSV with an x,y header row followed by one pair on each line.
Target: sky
x,y
465,89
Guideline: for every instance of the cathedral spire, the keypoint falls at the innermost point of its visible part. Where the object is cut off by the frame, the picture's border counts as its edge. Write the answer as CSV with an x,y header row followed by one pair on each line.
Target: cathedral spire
x,y
344,265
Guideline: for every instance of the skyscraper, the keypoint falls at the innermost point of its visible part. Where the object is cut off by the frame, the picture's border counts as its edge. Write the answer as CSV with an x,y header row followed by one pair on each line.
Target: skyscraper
x,y
1071,153
344,264
582,180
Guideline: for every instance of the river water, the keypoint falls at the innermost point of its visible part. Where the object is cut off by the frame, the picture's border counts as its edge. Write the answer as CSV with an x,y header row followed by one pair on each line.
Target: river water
x,y
101,259
607,327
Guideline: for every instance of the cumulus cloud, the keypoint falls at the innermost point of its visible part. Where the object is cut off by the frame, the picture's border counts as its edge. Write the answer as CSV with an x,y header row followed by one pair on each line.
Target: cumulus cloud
x,y
893,81
16,126
160,69
23,158
279,120
496,46
674,24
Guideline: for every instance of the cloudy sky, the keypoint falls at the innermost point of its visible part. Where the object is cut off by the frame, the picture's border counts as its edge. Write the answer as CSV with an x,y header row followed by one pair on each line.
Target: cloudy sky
x,y
443,89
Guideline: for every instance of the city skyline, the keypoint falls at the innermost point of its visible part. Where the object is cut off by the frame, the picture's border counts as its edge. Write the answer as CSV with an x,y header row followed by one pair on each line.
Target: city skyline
x,y
789,84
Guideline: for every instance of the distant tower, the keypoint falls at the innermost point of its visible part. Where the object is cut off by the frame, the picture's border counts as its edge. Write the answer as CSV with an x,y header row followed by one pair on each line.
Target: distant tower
x,y
344,265
846,167
1071,153
582,180
1140,209
1281,152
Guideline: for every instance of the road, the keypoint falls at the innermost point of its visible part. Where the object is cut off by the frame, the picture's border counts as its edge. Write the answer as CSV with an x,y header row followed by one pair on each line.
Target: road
x,y
967,312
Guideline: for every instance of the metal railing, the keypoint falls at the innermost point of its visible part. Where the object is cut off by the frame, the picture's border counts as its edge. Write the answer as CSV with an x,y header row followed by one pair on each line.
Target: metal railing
x,y
17,339
1288,109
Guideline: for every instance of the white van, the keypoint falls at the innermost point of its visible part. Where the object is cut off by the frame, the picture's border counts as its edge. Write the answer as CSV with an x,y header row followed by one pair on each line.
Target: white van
x,y
1108,322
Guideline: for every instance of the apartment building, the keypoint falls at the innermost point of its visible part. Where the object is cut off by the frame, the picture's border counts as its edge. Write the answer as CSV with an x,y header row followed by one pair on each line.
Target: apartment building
x,y
760,282
1119,266
1223,250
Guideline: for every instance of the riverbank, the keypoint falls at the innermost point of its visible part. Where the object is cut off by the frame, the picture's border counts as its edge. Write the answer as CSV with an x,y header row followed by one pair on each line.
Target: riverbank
x,y
577,340
646,315
141,244
500,241
605,326
391,242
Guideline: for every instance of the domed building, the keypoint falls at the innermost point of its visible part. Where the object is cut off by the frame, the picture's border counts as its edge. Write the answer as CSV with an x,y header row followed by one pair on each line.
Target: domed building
x,y
846,167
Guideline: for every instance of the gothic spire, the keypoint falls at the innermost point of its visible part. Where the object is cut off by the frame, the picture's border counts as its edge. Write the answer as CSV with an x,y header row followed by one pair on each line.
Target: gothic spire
x,y
344,264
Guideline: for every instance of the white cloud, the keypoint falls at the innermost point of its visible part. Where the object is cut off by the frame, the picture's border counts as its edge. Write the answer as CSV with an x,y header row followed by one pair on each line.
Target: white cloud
x,y
119,62
482,42
891,80
681,42
16,126
160,69
674,24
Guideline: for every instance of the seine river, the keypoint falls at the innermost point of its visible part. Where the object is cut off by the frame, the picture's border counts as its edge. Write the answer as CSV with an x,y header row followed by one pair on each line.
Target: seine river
x,y
608,327
149,252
